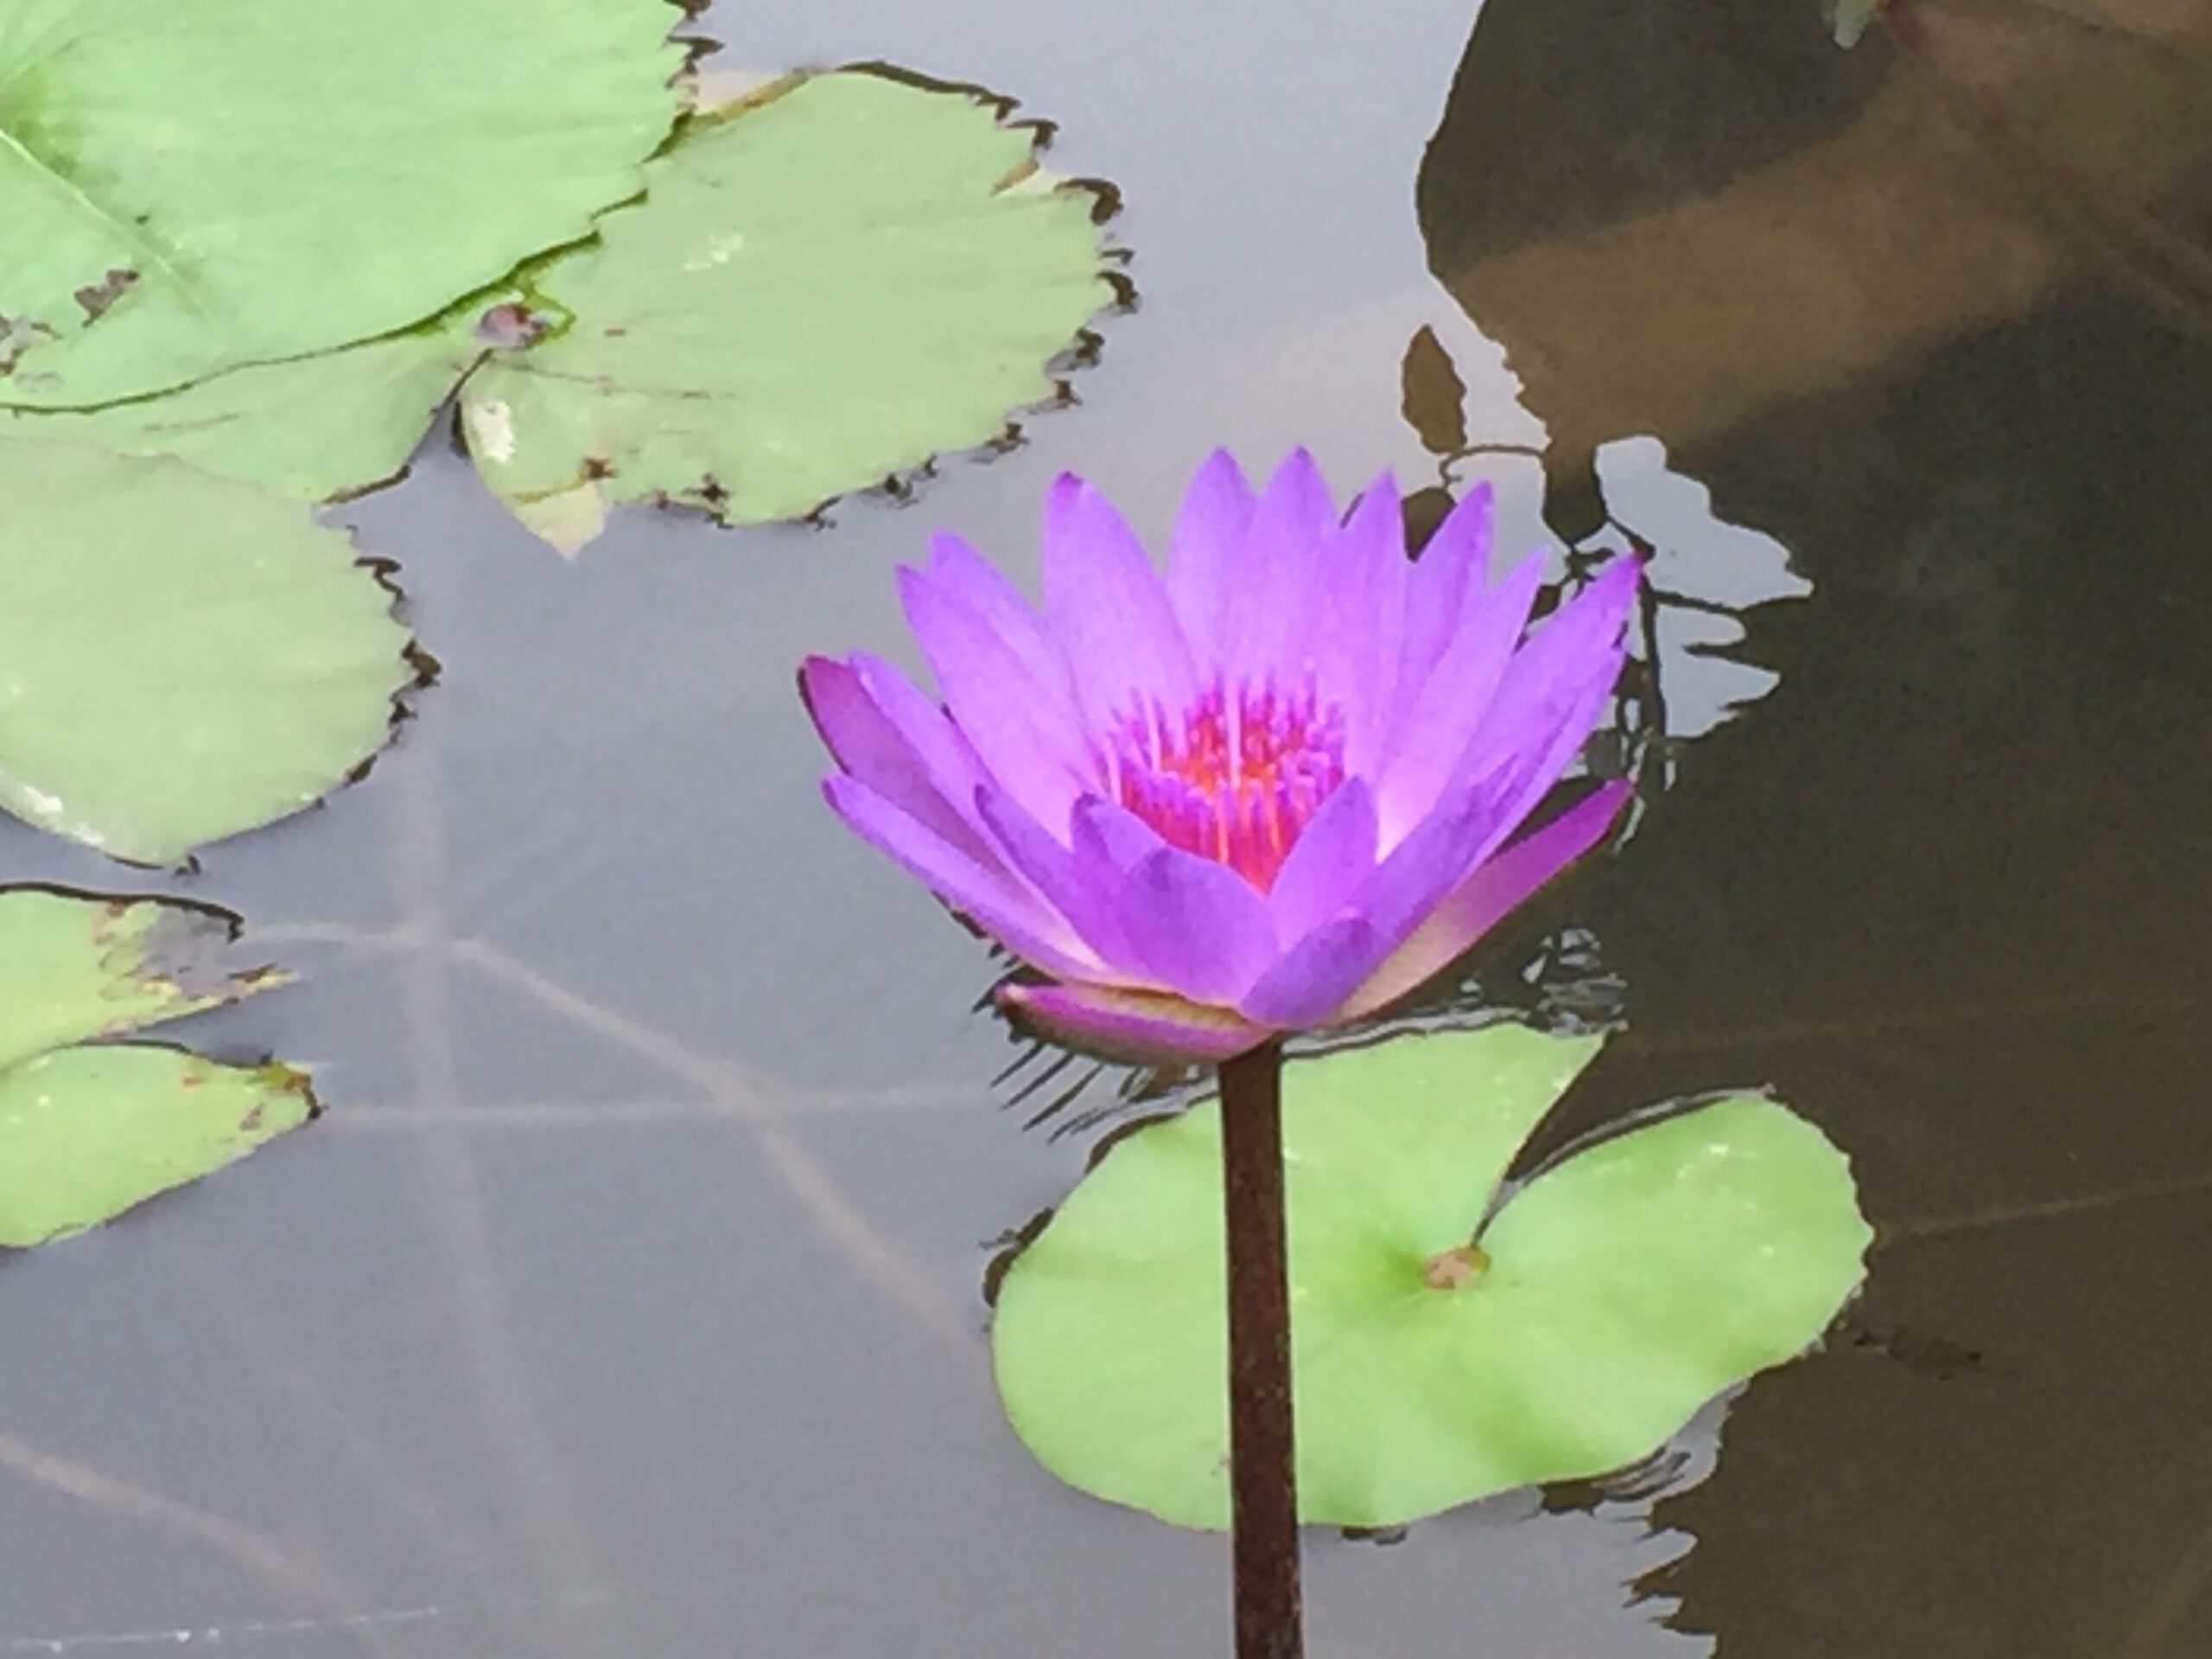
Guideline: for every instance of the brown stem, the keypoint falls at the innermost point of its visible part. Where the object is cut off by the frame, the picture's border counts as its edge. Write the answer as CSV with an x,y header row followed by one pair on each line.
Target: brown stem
x,y
1262,1466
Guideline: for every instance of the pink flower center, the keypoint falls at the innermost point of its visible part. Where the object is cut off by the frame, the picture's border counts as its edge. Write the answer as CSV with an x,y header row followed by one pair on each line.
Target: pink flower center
x,y
1237,777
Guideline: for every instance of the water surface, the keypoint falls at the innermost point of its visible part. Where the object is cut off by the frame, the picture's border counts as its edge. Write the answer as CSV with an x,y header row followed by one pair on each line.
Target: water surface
x,y
627,1301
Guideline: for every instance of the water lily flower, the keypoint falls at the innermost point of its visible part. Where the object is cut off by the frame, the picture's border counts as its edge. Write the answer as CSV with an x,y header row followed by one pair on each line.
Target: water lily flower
x,y
1274,789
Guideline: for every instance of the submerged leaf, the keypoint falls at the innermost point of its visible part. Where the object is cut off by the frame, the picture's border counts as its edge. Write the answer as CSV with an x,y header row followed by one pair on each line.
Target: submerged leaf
x,y
180,658
1437,1355
74,966
192,185
1850,19
87,1133
819,291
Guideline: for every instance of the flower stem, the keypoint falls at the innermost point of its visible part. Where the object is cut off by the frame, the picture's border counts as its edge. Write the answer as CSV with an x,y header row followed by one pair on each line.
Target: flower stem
x,y
1262,1469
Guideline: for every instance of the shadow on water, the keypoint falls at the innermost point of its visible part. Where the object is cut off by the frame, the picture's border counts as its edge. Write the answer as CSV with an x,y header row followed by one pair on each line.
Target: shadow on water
x,y
1936,313
626,1301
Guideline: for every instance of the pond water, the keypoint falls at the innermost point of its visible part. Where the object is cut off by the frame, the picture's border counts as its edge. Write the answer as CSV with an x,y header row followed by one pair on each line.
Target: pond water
x,y
627,1300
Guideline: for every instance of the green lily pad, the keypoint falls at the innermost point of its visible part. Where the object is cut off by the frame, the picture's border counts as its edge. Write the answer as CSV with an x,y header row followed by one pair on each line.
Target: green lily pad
x,y
181,657
192,185
314,427
1585,1322
88,1132
74,966
821,289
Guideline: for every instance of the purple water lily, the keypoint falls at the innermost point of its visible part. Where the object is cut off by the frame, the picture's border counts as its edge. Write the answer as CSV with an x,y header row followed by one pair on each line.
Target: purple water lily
x,y
1274,790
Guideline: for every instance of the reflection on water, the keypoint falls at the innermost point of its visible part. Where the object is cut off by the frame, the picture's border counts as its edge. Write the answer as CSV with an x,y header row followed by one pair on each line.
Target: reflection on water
x,y
1679,219
1942,330
1704,578
627,1301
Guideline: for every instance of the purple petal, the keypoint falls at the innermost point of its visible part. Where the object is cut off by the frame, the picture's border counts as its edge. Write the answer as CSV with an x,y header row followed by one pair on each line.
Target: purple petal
x,y
941,747
1496,887
1294,505
1526,750
1107,608
1082,888
1142,1027
867,744
1516,781
1307,984
1333,855
1355,616
1432,738
959,570
1550,760
994,901
1453,568
1196,926
1205,552
1314,979
1576,650
1101,829
1022,731
1293,520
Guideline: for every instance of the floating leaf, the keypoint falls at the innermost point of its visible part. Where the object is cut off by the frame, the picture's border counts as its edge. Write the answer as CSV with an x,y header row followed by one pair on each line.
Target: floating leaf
x,y
74,966
191,185
314,427
180,658
1586,1321
86,1133
819,291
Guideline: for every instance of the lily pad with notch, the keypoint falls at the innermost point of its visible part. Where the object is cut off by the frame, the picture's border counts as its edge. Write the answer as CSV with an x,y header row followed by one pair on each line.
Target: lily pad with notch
x,y
1452,1337
181,657
90,1127
827,283
194,184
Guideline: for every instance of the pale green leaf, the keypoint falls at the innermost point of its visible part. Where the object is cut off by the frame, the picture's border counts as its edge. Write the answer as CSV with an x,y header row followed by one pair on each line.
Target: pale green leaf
x,y
181,657
1608,1298
315,428
822,289
87,1133
74,966
192,185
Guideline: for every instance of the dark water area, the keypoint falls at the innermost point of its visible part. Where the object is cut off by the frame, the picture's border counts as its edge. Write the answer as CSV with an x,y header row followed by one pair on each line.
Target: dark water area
x,y
628,1299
